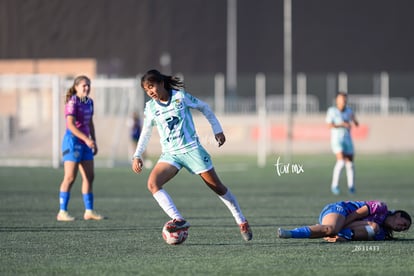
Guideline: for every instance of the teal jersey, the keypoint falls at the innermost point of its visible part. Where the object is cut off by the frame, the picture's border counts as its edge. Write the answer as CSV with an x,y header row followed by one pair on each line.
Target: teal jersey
x,y
175,123
335,116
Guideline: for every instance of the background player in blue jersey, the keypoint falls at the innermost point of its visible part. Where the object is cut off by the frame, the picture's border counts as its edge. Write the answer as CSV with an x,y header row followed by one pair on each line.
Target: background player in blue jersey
x,y
169,110
78,148
339,119
353,220
134,124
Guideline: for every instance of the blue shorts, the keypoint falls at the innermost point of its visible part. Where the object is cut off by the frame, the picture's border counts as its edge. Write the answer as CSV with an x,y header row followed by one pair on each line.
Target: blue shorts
x,y
196,161
75,150
336,208
344,145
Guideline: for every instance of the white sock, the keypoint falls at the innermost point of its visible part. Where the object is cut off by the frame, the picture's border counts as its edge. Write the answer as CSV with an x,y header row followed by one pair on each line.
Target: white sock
x,y
337,173
350,174
167,204
231,202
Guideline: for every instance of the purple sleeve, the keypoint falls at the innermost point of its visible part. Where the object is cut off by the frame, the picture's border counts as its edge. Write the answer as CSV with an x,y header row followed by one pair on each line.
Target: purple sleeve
x,y
378,211
70,107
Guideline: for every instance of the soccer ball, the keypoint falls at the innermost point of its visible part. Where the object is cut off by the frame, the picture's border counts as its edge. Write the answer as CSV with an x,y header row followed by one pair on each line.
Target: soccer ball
x,y
176,237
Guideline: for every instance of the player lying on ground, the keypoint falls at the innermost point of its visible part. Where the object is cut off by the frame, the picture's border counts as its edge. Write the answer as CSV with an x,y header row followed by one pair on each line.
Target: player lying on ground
x,y
348,220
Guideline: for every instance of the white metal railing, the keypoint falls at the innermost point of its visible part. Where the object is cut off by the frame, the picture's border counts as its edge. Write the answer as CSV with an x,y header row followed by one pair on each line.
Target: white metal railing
x,y
31,109
369,104
31,119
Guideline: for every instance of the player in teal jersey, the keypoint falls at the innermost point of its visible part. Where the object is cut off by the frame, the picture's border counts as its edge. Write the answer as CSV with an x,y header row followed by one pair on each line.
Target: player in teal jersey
x,y
169,110
339,119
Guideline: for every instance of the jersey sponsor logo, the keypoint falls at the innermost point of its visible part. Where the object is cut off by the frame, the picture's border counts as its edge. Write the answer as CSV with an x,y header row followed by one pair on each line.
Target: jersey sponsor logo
x,y
158,112
174,137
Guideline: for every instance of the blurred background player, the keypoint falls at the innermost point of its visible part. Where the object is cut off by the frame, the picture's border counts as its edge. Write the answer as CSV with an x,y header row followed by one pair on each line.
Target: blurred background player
x,y
347,217
339,119
134,124
78,148
169,110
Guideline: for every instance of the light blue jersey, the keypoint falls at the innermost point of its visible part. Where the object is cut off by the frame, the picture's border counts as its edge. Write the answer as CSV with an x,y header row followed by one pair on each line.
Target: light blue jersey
x,y
341,140
174,123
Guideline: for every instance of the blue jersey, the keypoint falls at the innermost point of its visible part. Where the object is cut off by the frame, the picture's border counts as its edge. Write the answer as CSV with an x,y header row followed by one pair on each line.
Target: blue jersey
x,y
135,130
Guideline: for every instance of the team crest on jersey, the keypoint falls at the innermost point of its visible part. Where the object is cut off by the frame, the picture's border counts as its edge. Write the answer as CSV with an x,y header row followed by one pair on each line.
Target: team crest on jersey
x,y
178,104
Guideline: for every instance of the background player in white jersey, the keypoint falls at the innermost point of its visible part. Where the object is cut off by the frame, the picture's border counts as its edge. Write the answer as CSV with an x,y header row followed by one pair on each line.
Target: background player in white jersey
x,y
169,110
339,119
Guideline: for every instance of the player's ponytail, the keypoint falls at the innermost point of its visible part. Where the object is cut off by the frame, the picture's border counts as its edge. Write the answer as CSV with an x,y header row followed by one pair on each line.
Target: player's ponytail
x,y
72,91
170,82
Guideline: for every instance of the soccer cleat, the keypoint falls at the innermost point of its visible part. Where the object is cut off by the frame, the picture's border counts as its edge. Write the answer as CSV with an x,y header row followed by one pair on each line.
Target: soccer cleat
x,y
92,215
245,231
284,234
175,225
335,190
64,216
351,191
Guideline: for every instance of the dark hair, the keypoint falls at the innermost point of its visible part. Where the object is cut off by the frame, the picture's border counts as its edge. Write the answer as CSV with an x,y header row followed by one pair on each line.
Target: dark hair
x,y
404,214
342,93
72,91
170,82
389,231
